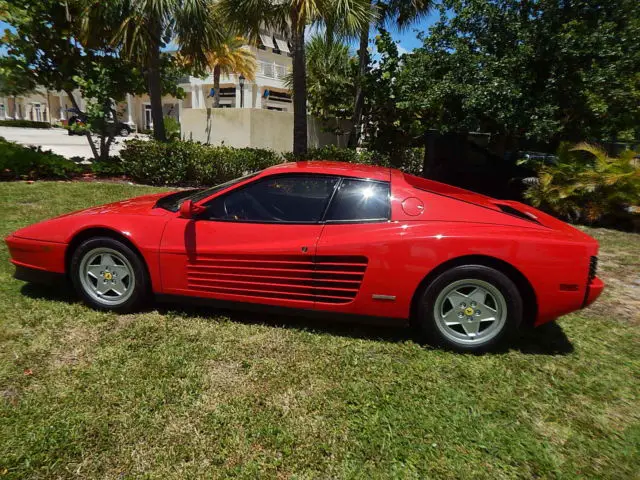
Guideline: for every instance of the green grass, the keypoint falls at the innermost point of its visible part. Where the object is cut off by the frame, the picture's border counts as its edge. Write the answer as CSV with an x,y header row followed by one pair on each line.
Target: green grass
x,y
201,393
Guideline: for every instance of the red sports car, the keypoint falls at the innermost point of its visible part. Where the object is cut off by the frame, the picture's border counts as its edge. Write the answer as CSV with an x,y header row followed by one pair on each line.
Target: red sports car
x,y
467,269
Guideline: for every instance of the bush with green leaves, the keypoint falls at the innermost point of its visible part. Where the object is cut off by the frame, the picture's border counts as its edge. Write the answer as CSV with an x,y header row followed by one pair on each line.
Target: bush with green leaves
x,y
24,124
586,185
411,158
111,167
18,162
172,128
191,163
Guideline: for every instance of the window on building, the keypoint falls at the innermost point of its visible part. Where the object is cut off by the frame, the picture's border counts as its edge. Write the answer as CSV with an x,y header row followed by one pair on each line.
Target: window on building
x,y
360,200
281,199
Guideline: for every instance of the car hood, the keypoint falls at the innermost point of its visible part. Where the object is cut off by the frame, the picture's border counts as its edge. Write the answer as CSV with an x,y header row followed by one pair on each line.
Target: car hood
x,y
134,206
59,228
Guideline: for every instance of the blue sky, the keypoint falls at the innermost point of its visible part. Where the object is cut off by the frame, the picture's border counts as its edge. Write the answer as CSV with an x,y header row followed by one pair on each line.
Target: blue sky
x,y
407,39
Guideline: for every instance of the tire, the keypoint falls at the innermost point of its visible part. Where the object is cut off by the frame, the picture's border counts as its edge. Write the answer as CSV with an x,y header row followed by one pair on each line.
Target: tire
x,y
470,308
124,132
108,275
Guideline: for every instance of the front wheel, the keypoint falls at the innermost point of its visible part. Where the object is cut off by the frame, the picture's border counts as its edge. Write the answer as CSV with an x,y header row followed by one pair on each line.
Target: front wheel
x,y
470,308
109,275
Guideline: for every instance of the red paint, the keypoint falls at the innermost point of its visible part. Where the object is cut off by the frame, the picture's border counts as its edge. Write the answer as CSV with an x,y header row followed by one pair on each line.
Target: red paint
x,y
334,267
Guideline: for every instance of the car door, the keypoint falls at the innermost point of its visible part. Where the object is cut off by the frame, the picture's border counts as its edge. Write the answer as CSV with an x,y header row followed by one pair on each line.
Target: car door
x,y
254,244
358,227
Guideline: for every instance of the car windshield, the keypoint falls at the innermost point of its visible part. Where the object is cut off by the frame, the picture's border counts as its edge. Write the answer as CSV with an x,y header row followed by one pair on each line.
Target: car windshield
x,y
172,202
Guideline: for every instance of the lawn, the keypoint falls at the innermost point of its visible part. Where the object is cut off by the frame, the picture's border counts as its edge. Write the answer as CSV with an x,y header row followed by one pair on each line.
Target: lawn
x,y
179,393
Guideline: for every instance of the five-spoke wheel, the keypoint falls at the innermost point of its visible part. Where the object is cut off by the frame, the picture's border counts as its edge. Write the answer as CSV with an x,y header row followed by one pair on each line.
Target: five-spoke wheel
x,y
109,275
470,308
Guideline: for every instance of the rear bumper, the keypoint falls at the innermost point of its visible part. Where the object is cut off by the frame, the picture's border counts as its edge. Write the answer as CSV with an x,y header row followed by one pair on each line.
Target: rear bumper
x,y
594,289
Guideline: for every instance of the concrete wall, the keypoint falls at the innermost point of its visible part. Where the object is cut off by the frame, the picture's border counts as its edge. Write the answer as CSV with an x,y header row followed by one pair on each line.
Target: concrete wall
x,y
250,127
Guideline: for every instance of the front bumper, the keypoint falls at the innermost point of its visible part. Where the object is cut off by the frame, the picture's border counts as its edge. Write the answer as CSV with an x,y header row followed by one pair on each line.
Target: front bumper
x,y
594,289
37,255
34,275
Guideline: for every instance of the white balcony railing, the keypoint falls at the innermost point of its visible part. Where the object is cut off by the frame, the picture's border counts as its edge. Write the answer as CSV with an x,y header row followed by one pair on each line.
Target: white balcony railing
x,y
271,69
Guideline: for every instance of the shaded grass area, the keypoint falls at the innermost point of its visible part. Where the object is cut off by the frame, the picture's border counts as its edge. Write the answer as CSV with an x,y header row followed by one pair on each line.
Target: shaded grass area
x,y
182,393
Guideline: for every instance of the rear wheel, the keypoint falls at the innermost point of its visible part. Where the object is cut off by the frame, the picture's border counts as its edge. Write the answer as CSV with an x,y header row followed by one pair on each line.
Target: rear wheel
x,y
470,308
108,275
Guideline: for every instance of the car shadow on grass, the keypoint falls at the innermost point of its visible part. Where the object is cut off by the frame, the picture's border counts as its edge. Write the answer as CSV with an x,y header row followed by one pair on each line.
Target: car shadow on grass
x,y
548,339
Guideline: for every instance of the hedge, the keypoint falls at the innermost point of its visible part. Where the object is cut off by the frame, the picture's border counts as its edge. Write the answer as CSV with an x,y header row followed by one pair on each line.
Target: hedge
x,y
189,163
24,124
410,161
18,162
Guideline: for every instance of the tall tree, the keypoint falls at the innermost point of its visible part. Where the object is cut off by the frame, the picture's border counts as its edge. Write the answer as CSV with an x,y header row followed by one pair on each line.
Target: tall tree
x,y
15,81
141,29
231,56
399,13
292,17
330,86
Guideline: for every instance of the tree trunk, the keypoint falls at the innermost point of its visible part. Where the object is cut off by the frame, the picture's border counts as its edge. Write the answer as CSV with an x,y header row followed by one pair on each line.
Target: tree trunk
x,y
155,97
216,86
154,84
299,87
363,61
94,150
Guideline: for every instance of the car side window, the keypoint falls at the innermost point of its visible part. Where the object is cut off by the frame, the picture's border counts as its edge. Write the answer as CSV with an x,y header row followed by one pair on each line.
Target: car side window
x,y
360,200
278,199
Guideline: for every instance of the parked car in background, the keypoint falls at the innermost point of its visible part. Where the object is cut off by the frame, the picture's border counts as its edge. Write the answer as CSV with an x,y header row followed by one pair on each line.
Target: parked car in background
x,y
79,119
326,237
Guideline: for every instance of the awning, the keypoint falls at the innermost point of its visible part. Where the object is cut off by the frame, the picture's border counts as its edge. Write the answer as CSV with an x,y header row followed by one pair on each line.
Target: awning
x,y
267,40
282,45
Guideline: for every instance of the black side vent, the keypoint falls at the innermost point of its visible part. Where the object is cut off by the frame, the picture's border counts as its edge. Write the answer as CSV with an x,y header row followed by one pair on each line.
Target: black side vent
x,y
508,209
593,268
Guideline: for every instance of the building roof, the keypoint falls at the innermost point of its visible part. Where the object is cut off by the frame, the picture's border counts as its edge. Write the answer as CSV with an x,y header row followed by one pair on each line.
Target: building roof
x,y
334,168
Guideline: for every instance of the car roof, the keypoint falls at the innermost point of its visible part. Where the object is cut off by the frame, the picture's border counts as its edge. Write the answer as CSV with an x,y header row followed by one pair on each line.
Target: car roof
x,y
332,168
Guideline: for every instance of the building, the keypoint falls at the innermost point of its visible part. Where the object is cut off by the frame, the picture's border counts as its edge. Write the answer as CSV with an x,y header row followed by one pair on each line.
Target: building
x,y
267,91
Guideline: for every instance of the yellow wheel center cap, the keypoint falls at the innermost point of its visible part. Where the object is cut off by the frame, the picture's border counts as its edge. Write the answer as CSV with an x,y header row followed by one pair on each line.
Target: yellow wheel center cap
x,y
468,311
108,276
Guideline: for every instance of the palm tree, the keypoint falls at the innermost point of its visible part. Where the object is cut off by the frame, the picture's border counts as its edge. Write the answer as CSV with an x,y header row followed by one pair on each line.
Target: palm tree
x,y
231,56
142,28
292,17
329,77
400,13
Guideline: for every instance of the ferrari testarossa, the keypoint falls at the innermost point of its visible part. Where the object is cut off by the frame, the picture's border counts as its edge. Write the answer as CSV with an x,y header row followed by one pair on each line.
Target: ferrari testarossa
x,y
466,269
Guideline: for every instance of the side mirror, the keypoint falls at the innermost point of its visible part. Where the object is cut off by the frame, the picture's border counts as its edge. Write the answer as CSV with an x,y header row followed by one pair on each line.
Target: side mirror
x,y
188,209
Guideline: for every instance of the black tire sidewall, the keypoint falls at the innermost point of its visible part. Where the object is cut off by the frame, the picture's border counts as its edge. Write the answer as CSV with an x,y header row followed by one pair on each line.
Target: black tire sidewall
x,y
427,323
141,289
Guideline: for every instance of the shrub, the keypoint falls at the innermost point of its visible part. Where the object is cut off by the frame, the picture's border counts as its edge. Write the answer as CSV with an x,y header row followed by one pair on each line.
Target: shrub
x,y
113,167
24,124
585,185
410,161
20,162
172,128
191,163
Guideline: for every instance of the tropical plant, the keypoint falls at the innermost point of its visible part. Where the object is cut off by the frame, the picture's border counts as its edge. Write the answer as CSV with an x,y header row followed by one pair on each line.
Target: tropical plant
x,y
585,184
330,86
231,56
142,28
400,14
292,17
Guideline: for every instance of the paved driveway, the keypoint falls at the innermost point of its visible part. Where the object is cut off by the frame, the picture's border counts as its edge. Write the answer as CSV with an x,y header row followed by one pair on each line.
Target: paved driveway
x,y
58,141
